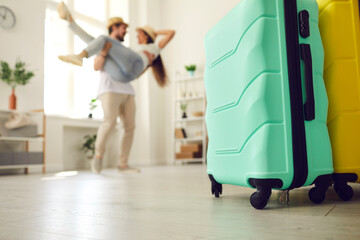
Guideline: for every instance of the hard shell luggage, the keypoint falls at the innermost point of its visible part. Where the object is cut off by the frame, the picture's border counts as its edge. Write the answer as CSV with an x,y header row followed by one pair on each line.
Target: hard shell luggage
x,y
340,31
266,100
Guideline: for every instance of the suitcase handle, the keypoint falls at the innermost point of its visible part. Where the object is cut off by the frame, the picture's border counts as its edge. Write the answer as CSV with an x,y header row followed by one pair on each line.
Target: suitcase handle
x,y
309,106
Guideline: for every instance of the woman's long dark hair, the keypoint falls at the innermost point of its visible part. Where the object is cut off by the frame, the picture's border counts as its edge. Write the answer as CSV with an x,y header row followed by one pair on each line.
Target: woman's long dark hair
x,y
158,68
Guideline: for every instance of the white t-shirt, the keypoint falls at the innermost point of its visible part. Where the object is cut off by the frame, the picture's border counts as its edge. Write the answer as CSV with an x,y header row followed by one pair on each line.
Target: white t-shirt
x,y
152,48
108,84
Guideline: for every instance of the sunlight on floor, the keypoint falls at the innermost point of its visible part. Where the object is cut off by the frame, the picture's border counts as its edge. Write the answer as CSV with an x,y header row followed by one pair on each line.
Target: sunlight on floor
x,y
61,175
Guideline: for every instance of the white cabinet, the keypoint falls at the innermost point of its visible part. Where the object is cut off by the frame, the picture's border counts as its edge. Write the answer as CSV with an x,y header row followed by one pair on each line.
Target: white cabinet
x,y
189,132
23,152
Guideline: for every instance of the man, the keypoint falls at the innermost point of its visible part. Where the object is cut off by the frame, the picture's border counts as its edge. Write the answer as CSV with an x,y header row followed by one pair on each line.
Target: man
x,y
117,98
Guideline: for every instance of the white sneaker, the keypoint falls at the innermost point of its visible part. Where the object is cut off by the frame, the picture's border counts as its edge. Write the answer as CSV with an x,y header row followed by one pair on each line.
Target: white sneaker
x,y
63,11
72,58
18,120
128,169
96,165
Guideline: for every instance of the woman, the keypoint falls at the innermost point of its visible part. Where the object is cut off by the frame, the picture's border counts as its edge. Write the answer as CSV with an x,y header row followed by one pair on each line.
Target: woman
x,y
125,64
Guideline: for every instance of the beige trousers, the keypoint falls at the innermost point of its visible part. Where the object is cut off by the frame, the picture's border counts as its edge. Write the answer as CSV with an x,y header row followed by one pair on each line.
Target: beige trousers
x,y
115,105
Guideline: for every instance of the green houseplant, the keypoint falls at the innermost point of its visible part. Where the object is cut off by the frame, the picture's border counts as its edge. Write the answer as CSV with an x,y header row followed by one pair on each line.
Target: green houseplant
x,y
183,107
14,77
92,107
88,146
191,69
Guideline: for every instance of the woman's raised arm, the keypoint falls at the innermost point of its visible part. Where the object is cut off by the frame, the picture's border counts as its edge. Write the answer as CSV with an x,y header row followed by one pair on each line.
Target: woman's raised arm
x,y
169,34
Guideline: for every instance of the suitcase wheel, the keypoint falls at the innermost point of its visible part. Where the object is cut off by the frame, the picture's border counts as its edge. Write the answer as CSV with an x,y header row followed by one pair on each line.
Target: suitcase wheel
x,y
260,198
317,195
216,192
345,192
216,188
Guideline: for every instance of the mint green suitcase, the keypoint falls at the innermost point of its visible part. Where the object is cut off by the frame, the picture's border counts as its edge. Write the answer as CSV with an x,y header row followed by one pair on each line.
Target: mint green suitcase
x,y
266,100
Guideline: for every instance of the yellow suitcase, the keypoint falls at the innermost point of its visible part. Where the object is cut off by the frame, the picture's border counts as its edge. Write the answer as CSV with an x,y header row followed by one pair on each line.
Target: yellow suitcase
x,y
339,24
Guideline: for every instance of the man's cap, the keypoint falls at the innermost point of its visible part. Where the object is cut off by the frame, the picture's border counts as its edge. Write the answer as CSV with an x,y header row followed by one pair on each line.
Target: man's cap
x,y
116,20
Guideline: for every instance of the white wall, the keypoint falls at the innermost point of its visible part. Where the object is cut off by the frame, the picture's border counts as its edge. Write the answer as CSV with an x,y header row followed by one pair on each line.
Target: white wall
x,y
25,41
191,19
148,147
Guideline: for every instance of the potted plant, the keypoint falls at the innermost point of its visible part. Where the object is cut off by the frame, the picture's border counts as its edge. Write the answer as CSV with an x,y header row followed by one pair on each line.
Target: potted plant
x,y
183,107
14,77
191,69
92,107
88,147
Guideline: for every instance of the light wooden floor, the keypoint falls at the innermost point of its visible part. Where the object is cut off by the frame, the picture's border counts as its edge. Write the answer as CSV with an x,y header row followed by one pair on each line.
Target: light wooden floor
x,y
169,202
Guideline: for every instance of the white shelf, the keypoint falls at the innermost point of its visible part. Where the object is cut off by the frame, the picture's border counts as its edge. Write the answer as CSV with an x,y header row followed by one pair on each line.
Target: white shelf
x,y
20,166
198,77
7,111
40,138
22,139
190,99
192,119
194,139
195,124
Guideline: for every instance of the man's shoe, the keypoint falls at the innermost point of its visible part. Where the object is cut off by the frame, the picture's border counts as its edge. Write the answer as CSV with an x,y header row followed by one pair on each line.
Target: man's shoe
x,y
72,58
96,165
128,169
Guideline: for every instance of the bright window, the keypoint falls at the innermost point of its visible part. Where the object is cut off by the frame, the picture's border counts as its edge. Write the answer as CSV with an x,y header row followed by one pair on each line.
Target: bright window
x,y
69,89
94,8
